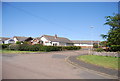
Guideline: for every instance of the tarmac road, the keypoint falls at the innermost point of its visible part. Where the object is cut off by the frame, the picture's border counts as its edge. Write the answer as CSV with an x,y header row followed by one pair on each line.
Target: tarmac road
x,y
50,65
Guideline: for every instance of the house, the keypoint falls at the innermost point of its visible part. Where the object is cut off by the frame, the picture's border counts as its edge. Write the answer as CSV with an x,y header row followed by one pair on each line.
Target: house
x,y
9,41
22,39
85,43
37,40
3,39
55,41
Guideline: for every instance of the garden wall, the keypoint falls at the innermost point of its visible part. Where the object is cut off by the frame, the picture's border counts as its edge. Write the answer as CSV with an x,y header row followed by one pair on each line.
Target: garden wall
x,y
114,54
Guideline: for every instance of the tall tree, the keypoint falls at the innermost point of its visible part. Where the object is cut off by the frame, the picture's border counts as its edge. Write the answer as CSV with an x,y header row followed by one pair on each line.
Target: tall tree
x,y
113,36
103,36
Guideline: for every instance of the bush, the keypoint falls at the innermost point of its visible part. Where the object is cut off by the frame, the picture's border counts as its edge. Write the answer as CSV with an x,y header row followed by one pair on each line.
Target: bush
x,y
5,46
14,47
115,48
50,48
18,42
38,47
99,49
26,47
95,46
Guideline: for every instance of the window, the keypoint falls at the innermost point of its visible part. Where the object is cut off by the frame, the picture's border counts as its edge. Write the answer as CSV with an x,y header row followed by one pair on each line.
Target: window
x,y
54,44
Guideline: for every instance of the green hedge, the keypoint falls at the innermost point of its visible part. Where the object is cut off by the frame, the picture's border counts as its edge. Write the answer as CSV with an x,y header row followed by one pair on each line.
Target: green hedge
x,y
115,48
99,49
50,48
26,47
13,47
5,46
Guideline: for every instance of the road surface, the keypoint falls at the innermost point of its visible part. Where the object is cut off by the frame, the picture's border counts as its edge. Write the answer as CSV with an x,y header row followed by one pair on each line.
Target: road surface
x,y
45,66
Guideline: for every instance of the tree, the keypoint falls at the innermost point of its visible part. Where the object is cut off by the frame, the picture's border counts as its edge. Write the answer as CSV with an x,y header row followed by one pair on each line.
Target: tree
x,y
103,36
113,21
113,35
103,43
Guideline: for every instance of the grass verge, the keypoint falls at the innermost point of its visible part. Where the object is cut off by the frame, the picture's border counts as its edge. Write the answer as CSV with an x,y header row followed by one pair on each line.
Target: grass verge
x,y
107,62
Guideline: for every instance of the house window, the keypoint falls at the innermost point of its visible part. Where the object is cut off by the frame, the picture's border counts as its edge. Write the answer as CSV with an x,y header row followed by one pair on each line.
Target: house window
x,y
55,44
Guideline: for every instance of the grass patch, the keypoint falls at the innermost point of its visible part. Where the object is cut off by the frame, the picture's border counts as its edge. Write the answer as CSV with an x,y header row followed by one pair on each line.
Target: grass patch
x,y
17,52
107,62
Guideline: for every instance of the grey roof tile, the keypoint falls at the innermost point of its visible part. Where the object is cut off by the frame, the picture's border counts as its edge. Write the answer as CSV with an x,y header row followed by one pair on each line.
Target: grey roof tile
x,y
57,39
19,38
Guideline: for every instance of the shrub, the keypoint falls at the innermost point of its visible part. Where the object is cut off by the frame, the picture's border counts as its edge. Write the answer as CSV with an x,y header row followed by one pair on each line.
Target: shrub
x,y
38,47
26,47
45,48
99,49
115,48
5,46
95,46
14,47
50,48
18,42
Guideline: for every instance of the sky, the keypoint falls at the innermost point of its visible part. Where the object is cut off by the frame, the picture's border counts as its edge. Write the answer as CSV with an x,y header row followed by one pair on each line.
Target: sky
x,y
72,20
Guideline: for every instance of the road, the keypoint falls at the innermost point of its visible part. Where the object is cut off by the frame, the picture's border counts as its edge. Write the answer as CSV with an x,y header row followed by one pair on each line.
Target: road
x,y
45,66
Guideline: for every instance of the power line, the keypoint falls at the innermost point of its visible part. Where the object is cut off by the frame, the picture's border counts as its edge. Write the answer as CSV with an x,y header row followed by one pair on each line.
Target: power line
x,y
39,17
31,14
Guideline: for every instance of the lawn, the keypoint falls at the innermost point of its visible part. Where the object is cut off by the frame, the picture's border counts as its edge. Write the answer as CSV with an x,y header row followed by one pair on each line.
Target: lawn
x,y
16,52
107,62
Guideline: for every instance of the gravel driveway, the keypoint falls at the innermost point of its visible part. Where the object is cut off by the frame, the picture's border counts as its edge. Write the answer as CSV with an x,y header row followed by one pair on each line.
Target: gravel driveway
x,y
50,65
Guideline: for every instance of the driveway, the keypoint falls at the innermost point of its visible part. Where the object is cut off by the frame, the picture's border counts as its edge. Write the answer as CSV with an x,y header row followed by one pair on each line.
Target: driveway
x,y
50,65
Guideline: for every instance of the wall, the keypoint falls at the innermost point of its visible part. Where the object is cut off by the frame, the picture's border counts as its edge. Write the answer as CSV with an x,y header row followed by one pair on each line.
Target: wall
x,y
8,41
46,42
15,39
62,44
57,43
69,44
35,41
84,45
114,54
1,42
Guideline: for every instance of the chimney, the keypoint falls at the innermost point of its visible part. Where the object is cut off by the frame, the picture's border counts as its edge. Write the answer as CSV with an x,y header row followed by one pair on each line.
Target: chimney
x,y
55,36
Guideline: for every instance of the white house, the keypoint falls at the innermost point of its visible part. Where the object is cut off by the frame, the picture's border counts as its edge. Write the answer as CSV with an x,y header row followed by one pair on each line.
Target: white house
x,y
22,39
37,40
9,41
85,43
55,41
3,39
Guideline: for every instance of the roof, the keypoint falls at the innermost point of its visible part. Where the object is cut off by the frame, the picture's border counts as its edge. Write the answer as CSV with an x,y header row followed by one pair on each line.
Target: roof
x,y
38,38
19,38
84,41
57,39
4,38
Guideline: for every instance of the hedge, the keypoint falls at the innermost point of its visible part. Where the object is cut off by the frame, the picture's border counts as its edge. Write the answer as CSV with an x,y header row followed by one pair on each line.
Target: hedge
x,y
13,47
5,46
50,48
115,48
99,49
26,47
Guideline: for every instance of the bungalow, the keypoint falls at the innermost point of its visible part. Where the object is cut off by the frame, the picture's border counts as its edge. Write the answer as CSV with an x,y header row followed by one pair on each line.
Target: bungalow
x,y
3,40
9,41
37,41
55,41
22,39
85,43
